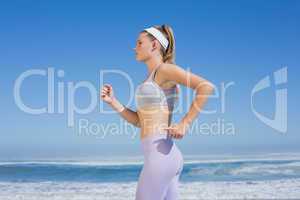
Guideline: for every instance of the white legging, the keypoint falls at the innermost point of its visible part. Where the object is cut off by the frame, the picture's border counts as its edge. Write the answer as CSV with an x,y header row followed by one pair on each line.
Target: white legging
x,y
163,164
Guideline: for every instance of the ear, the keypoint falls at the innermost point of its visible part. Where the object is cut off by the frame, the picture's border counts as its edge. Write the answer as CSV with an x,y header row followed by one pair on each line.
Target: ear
x,y
155,45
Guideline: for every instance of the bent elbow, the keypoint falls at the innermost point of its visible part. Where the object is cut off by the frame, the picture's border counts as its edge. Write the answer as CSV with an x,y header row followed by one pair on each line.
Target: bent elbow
x,y
209,88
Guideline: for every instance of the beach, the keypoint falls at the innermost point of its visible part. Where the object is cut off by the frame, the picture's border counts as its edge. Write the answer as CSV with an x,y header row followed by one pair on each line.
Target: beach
x,y
256,177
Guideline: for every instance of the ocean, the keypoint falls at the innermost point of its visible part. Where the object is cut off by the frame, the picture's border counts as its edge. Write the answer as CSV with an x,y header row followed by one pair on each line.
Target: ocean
x,y
267,176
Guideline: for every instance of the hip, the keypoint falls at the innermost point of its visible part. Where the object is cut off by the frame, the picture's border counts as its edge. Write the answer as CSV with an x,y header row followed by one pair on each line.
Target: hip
x,y
161,145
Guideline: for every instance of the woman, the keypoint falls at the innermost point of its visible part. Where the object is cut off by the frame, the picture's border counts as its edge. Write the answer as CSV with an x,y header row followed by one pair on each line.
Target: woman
x,y
155,99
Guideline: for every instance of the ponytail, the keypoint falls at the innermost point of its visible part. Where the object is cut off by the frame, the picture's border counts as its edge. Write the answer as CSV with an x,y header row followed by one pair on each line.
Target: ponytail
x,y
169,53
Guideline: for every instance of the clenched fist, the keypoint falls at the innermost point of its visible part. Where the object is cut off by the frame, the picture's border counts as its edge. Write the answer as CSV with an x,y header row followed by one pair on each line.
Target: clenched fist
x,y
107,93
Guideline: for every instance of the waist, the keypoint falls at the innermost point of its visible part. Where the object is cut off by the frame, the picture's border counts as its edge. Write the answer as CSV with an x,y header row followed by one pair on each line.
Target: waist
x,y
152,133
151,109
155,136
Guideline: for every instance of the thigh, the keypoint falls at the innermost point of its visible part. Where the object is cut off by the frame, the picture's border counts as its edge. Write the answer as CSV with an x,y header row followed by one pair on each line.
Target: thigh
x,y
172,192
150,185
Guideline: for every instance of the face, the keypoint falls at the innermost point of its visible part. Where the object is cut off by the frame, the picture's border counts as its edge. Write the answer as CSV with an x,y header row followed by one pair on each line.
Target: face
x,y
143,48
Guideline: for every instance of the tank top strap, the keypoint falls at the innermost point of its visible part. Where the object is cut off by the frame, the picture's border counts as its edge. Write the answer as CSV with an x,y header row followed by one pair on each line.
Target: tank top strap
x,y
154,72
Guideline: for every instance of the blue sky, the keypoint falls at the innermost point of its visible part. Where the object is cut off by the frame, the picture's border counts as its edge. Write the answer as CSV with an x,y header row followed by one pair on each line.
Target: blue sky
x,y
223,41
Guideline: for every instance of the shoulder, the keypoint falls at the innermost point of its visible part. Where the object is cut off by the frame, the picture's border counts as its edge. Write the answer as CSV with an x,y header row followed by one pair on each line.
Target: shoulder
x,y
168,71
166,74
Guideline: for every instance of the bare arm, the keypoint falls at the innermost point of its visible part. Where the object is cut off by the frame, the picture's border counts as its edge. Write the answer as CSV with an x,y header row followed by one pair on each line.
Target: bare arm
x,y
126,113
203,88
129,115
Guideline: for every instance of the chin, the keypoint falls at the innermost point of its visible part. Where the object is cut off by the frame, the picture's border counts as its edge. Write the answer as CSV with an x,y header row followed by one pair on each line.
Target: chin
x,y
138,59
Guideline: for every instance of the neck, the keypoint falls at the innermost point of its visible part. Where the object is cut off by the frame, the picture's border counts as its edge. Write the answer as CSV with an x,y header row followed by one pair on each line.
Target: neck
x,y
152,63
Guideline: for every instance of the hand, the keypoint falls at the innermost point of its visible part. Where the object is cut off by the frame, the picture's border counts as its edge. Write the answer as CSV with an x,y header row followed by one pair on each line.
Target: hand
x,y
177,131
107,94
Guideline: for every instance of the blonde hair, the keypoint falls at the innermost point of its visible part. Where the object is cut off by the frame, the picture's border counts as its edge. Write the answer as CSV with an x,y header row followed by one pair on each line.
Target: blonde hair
x,y
169,53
